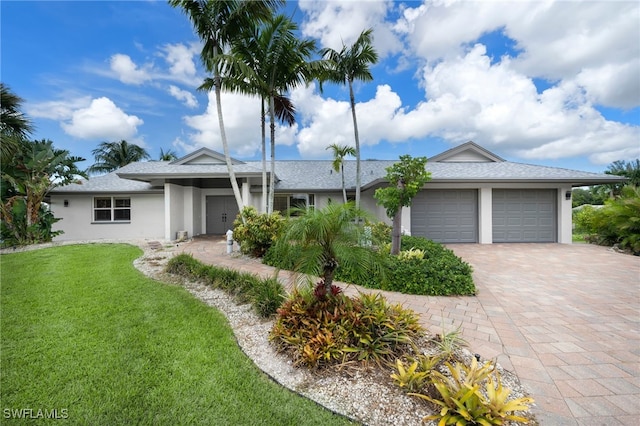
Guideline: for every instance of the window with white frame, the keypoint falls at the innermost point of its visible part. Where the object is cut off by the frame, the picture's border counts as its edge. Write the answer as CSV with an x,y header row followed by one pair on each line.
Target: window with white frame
x,y
111,209
282,203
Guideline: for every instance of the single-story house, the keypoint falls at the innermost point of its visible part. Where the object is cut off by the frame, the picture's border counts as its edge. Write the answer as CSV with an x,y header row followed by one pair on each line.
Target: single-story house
x,y
474,196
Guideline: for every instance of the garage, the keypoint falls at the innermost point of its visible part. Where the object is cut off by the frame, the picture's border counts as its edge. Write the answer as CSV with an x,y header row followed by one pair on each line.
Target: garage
x,y
524,215
446,215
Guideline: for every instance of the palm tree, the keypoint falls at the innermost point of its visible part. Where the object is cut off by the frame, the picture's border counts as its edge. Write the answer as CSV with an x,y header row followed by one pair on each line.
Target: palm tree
x,y
326,238
219,24
169,155
14,125
250,61
110,156
339,152
346,66
270,62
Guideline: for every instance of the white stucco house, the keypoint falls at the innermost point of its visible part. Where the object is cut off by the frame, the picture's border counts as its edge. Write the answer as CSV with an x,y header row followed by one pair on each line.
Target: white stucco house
x,y
474,196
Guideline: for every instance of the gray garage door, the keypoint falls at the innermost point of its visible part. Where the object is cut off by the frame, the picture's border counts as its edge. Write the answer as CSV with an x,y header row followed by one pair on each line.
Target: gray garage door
x,y
524,215
446,216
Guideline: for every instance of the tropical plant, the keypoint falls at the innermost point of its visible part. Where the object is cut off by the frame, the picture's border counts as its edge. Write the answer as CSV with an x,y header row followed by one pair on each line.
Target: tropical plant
x,y
324,239
322,328
473,394
14,124
169,155
415,373
221,24
339,153
36,168
258,232
405,179
270,62
345,67
110,156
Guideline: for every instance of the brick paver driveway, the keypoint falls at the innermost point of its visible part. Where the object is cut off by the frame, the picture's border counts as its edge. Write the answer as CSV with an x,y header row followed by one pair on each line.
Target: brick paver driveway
x,y
566,319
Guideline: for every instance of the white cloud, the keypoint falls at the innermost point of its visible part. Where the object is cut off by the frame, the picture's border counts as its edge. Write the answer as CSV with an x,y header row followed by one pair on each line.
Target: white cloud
x,y
589,52
242,126
469,98
325,20
183,96
102,119
57,110
182,67
127,71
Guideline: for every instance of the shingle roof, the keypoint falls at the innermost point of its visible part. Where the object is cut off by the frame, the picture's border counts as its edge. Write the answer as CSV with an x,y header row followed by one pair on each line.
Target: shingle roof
x,y
107,183
318,175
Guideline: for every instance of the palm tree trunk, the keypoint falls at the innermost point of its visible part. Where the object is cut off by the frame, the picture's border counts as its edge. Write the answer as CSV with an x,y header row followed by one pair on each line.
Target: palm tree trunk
x,y
225,144
344,190
355,131
263,207
272,118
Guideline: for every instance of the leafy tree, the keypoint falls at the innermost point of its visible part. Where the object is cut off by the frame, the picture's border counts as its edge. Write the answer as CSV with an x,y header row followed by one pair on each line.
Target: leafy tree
x,y
345,67
14,124
339,152
169,155
405,179
220,24
110,156
35,170
325,238
582,196
628,169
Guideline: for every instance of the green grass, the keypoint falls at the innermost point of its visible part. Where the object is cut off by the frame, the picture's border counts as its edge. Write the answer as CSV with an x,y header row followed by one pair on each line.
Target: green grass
x,y
578,238
84,331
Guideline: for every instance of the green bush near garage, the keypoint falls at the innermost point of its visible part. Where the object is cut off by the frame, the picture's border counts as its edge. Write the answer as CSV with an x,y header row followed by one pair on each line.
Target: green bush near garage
x,y
439,273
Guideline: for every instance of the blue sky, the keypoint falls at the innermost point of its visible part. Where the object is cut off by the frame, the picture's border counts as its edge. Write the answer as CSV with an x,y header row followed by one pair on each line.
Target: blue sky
x,y
555,83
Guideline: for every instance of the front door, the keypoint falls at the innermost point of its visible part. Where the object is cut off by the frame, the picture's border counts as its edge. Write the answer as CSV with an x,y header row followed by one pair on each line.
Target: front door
x,y
221,212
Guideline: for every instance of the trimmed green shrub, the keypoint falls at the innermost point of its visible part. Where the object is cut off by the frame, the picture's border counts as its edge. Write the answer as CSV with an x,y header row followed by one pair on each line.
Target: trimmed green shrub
x,y
439,273
265,295
258,232
319,329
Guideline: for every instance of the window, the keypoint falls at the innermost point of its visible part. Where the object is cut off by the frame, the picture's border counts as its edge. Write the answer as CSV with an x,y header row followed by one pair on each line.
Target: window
x,y
111,209
282,203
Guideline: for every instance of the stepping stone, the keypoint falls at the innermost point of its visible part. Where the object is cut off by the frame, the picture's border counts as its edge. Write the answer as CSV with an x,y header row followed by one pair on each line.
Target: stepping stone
x,y
155,245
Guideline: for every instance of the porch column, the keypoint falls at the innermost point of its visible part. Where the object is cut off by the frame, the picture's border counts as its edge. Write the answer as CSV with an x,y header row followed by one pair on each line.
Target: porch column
x,y
565,218
485,213
167,212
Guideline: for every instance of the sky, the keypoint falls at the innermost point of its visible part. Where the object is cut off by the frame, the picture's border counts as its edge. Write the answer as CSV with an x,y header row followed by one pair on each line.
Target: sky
x,y
541,82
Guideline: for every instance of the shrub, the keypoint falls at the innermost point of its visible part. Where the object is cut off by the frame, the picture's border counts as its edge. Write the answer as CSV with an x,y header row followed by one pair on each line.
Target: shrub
x,y
265,295
583,219
334,328
380,232
439,273
414,375
473,395
438,276
616,223
258,232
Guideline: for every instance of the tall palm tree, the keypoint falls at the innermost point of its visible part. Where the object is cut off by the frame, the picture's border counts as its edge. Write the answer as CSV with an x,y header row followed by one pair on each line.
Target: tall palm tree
x,y
270,62
323,239
219,24
249,64
339,153
346,66
14,125
110,156
168,155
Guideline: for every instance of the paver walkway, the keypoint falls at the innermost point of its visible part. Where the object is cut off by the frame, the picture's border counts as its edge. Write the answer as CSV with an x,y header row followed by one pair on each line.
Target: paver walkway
x,y
564,318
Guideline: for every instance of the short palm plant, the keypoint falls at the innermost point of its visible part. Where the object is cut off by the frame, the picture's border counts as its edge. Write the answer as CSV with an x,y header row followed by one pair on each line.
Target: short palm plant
x,y
323,239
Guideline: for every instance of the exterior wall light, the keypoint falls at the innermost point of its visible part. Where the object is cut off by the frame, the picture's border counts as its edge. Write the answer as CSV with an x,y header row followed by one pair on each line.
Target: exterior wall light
x,y
567,195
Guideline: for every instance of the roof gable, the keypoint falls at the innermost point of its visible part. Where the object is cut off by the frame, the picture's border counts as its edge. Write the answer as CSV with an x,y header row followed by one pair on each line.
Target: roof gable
x,y
469,152
204,156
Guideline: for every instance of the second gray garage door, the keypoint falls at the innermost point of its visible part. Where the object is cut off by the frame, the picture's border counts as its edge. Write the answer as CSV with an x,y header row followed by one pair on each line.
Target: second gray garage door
x,y
524,215
446,215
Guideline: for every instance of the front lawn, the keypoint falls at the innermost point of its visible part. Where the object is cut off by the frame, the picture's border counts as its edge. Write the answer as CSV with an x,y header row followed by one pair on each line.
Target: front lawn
x,y
84,333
